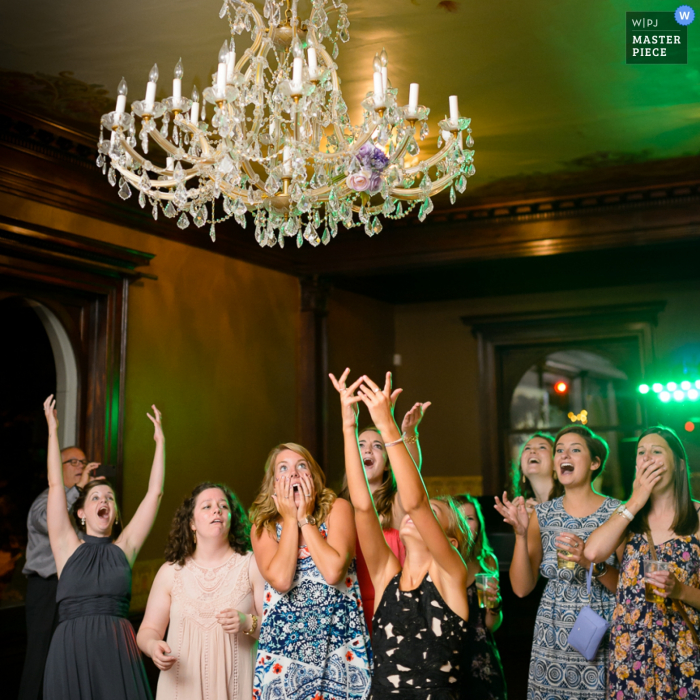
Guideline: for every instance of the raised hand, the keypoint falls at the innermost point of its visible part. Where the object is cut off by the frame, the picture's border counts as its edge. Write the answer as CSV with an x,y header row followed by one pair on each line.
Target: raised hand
x,y
308,492
379,402
231,620
573,545
348,400
530,505
156,419
413,417
87,476
51,413
284,499
161,655
514,513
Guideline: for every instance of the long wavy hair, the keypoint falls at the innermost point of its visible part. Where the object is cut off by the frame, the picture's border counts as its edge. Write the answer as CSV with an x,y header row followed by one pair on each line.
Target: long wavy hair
x,y
481,550
385,495
264,513
457,526
597,446
181,544
80,504
685,521
520,484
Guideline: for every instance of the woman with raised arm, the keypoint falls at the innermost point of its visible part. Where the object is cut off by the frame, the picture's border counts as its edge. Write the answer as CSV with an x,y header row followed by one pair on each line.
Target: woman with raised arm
x,y
552,543
382,484
483,672
93,653
421,608
654,646
533,475
208,595
313,637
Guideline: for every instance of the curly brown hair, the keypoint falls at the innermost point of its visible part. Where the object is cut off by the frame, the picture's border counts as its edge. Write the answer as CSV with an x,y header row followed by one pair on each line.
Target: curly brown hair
x,y
181,544
80,504
264,513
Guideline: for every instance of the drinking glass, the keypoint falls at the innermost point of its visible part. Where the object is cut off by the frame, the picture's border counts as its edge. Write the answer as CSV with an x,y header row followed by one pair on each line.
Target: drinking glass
x,y
482,583
649,591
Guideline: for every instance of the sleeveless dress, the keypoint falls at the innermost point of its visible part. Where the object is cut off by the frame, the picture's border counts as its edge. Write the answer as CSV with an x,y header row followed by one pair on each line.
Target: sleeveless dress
x,y
211,664
557,670
391,535
313,639
418,644
653,656
93,652
483,671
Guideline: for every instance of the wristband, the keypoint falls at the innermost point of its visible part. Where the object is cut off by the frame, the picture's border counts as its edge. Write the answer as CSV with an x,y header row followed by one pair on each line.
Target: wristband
x,y
625,513
396,442
253,626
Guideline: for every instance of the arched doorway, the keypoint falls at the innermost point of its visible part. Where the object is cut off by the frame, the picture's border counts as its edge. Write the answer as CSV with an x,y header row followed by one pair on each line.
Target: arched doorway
x,y
36,359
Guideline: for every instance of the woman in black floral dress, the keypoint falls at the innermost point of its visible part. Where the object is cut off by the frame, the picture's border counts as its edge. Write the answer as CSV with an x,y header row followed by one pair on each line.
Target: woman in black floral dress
x,y
483,671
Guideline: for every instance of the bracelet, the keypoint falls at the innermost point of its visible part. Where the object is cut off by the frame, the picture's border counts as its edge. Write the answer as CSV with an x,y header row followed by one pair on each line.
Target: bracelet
x,y
412,440
396,442
253,627
625,513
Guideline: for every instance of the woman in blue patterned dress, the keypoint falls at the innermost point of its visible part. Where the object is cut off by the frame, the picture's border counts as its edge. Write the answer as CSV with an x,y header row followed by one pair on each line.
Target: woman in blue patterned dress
x,y
653,655
313,638
558,534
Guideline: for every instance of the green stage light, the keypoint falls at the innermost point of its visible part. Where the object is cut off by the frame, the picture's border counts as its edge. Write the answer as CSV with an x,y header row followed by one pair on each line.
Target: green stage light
x,y
693,394
656,388
697,383
665,396
685,385
643,388
672,386
679,395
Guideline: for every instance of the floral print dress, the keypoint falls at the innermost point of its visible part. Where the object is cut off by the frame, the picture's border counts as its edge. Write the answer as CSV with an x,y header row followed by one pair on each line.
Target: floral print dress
x,y
653,656
313,638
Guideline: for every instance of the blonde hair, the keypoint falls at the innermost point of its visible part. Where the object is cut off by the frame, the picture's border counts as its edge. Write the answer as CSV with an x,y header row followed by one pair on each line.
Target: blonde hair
x,y
264,513
385,495
457,526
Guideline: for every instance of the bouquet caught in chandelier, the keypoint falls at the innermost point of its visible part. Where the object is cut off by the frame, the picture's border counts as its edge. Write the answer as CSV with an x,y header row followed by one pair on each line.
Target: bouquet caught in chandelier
x,y
278,143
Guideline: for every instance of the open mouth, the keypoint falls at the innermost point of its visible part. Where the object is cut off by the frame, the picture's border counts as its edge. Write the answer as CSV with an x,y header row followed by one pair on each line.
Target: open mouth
x,y
368,462
567,468
103,512
217,520
533,460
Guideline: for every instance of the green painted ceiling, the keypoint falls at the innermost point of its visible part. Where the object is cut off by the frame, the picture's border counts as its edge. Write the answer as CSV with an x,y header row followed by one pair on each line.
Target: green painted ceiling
x,y
545,83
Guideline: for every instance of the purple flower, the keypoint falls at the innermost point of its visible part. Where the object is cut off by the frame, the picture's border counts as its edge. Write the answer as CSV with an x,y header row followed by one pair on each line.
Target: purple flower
x,y
372,158
375,182
378,161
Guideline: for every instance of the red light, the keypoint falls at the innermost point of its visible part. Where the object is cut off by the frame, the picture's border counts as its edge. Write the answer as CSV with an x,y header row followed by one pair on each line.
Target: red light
x,y
690,426
561,387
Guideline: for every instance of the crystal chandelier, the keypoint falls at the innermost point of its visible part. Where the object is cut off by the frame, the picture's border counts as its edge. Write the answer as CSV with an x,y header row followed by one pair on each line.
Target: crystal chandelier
x,y
271,137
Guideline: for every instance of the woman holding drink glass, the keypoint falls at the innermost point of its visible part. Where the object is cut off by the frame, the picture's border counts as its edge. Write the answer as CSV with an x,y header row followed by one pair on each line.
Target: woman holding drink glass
x,y
654,645
483,673
553,544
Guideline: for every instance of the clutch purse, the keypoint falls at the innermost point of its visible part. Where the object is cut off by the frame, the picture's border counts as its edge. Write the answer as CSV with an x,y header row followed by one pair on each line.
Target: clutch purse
x,y
589,629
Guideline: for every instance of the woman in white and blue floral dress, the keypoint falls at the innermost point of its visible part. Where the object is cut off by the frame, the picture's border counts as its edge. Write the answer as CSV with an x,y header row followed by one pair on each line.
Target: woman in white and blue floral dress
x,y
313,637
558,532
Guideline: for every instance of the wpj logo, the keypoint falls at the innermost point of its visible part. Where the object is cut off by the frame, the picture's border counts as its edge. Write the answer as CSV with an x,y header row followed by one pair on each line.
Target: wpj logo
x,y
658,37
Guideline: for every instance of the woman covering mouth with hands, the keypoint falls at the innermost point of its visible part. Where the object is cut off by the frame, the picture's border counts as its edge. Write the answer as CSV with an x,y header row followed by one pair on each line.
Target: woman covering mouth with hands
x,y
208,595
552,544
382,485
93,652
654,655
421,608
313,637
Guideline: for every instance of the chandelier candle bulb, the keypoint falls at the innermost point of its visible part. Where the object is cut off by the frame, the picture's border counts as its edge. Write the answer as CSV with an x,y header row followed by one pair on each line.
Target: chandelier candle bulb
x,y
313,63
287,161
151,88
231,63
454,110
378,90
413,98
385,78
297,69
121,97
177,83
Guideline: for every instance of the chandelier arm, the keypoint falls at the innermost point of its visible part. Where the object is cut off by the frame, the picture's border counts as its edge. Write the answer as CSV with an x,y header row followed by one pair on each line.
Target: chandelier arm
x,y
433,160
230,191
135,180
401,150
174,151
417,193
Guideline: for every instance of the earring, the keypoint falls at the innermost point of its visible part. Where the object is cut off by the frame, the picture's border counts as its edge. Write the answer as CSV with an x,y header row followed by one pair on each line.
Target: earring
x,y
524,479
116,520
194,534
82,521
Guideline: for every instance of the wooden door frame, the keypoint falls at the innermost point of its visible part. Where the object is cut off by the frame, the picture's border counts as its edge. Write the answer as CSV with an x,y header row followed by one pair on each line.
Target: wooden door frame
x,y
497,334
